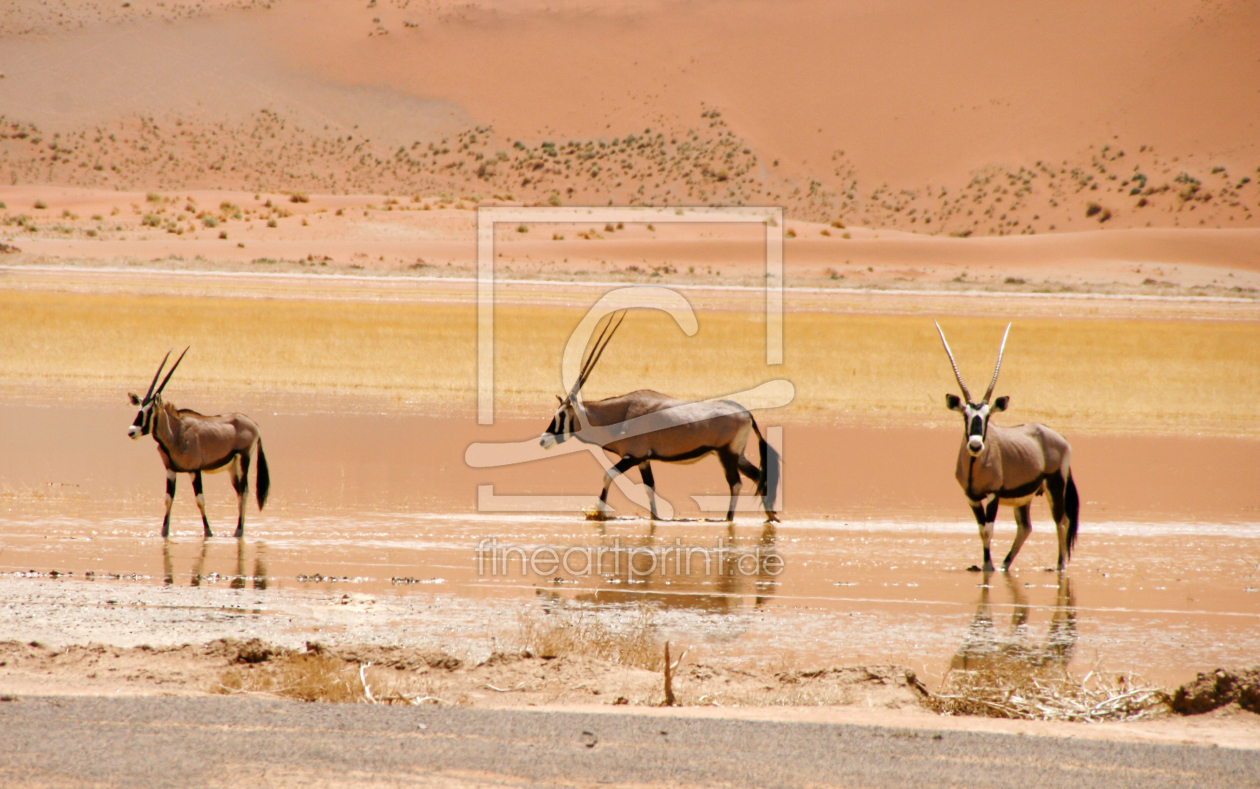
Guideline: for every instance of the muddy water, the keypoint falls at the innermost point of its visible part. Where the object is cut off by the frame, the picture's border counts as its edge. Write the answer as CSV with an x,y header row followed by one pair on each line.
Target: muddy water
x,y
869,564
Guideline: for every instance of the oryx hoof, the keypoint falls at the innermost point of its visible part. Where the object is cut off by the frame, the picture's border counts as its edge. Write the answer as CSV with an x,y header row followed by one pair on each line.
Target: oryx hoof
x,y
772,518
975,568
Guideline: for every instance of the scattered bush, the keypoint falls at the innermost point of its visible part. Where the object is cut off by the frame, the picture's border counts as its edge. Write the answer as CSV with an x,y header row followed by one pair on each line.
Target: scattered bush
x,y
564,633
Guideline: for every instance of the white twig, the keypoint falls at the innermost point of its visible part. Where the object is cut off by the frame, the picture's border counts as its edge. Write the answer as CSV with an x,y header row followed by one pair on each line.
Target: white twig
x,y
367,691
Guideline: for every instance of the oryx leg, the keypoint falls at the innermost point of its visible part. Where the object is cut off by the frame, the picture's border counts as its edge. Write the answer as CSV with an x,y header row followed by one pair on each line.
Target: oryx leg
x,y
1056,488
170,499
750,470
623,465
645,471
985,516
730,464
1023,527
240,482
201,501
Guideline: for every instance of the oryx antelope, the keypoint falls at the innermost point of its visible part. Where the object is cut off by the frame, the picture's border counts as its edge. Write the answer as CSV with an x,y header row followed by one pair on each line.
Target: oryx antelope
x,y
644,425
1010,465
191,443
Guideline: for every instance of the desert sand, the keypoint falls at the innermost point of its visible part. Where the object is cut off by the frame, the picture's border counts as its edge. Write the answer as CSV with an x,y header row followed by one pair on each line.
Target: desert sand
x,y
293,189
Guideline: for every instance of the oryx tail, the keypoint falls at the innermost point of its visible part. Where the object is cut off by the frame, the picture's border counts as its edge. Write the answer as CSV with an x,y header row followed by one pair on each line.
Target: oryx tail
x,y
262,480
768,480
1072,504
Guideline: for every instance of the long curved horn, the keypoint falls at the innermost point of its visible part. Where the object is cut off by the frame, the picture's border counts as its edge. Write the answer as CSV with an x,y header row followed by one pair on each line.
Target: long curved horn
x,y
153,383
597,350
998,366
953,363
172,372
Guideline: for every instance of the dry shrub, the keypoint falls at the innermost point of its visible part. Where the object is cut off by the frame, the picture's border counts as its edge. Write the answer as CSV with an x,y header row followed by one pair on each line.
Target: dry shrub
x,y
1029,692
572,633
315,676
1211,691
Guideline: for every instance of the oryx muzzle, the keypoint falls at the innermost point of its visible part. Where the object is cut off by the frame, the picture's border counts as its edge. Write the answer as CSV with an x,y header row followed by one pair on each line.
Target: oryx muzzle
x,y
192,443
665,429
1010,465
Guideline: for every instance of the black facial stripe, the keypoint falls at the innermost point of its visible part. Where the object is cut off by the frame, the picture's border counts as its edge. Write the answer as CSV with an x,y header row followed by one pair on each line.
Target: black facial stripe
x,y
977,426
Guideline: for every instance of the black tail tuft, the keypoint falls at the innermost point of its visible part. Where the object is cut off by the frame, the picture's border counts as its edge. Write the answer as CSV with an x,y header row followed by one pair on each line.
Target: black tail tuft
x,y
1072,507
263,483
768,481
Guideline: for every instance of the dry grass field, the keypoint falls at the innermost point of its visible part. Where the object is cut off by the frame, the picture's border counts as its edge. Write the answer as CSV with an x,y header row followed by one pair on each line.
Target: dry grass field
x,y
1095,375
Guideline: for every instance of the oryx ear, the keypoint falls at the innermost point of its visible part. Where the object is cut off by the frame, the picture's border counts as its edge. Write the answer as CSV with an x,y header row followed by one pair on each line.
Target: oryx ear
x,y
559,399
953,402
134,398
1000,404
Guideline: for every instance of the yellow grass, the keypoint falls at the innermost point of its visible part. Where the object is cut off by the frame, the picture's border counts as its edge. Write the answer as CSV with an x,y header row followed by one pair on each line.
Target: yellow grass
x,y
1075,374
570,633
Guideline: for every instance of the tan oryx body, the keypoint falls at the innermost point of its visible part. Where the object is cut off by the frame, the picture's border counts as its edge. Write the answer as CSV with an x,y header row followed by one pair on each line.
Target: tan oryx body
x,y
644,426
192,443
1010,465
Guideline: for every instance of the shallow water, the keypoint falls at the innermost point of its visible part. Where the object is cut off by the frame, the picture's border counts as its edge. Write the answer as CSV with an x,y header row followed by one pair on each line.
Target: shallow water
x,y
389,522
1163,604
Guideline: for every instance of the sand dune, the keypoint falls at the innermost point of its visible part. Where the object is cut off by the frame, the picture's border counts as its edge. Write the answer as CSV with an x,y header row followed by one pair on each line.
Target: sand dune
x,y
968,120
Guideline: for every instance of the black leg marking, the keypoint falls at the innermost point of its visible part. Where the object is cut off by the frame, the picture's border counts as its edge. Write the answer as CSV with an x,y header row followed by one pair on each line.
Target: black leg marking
x,y
985,515
201,501
990,513
623,465
170,497
645,471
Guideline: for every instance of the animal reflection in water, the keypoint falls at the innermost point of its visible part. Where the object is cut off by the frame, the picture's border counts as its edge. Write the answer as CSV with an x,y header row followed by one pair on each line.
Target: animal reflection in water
x,y
237,580
987,651
743,572
644,426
